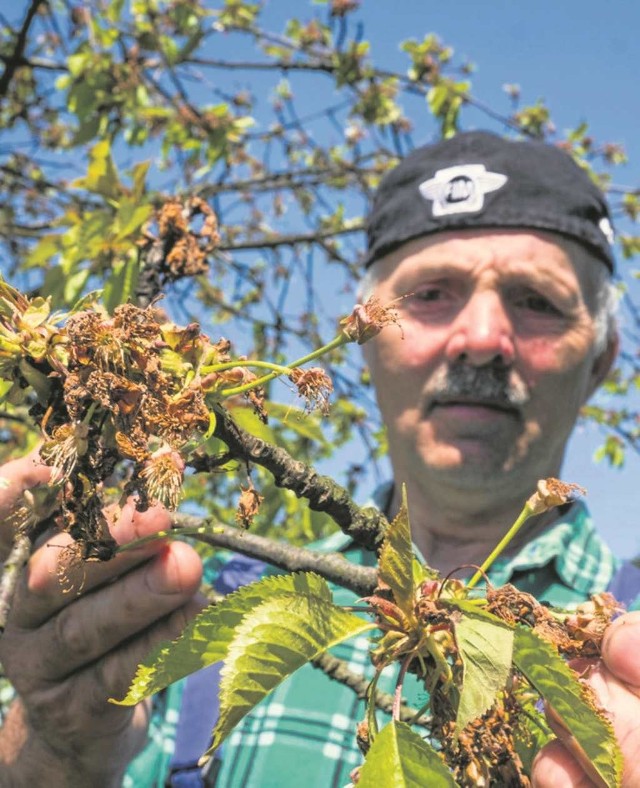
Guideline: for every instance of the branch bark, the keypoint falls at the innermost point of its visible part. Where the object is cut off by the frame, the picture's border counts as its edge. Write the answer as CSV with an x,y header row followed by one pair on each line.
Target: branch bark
x,y
332,566
366,526
16,58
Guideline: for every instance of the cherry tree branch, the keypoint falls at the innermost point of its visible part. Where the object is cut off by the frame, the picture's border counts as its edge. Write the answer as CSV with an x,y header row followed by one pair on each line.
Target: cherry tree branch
x,y
332,566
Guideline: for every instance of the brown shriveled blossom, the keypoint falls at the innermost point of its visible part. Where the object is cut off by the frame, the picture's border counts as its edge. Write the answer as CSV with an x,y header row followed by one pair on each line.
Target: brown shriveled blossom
x,y
367,320
314,386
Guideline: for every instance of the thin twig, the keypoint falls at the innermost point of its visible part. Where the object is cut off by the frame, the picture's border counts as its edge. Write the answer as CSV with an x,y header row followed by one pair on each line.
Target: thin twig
x,y
13,566
339,670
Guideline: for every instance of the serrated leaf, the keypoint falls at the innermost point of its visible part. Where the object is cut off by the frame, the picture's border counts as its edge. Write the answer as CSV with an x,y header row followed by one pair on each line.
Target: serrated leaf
x,y
486,649
549,674
396,559
400,758
273,640
206,638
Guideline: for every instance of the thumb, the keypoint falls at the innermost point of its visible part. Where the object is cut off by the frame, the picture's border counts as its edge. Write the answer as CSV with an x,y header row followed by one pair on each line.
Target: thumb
x,y
620,649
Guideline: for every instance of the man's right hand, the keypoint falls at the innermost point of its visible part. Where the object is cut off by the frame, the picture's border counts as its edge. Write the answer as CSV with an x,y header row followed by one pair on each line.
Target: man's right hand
x,y
66,652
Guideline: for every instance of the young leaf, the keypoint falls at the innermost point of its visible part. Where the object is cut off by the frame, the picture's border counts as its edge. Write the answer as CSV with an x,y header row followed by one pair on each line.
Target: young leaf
x,y
590,735
486,648
399,757
396,559
205,639
273,640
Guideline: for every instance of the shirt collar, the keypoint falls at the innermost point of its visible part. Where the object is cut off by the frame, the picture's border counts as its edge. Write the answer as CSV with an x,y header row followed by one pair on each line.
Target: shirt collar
x,y
580,557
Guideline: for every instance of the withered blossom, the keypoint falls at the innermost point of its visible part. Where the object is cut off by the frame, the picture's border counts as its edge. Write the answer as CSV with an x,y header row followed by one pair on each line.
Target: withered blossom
x,y
367,320
162,476
314,386
551,493
248,505
61,450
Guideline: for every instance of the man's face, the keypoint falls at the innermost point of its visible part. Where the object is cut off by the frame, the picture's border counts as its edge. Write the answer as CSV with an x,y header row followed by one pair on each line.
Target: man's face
x,y
495,358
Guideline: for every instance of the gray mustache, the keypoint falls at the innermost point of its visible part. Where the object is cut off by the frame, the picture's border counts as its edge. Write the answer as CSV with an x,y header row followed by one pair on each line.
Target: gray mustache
x,y
490,383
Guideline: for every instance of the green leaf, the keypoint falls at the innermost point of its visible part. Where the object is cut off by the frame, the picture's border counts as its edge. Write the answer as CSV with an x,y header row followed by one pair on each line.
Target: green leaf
x,y
399,757
273,640
549,674
121,285
486,648
304,424
102,176
206,638
396,559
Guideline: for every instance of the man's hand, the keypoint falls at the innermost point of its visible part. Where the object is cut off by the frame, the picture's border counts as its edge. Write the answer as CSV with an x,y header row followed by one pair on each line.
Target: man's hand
x,y
66,652
616,681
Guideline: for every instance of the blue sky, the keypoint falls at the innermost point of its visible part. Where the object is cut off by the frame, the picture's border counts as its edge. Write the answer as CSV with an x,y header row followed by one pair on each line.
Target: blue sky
x,y
580,58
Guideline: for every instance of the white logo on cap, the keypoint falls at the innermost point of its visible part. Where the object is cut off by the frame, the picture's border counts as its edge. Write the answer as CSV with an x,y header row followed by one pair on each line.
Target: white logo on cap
x,y
605,225
461,189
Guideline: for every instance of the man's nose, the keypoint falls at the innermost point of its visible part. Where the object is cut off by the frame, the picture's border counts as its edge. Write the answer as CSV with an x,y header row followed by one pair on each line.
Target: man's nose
x,y
482,332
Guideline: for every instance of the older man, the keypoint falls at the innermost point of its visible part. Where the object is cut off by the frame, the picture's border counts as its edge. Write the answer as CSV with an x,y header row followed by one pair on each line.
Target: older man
x,y
497,256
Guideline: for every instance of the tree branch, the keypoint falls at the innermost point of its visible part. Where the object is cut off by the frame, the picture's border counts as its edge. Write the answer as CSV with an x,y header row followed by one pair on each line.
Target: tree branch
x,y
16,59
332,566
339,670
291,240
366,526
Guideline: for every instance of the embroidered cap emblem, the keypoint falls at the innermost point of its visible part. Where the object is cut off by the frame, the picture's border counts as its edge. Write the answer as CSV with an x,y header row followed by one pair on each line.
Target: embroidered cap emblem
x,y
460,189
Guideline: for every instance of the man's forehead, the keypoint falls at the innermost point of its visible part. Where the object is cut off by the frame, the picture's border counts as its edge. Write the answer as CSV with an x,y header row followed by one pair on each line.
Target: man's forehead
x,y
540,256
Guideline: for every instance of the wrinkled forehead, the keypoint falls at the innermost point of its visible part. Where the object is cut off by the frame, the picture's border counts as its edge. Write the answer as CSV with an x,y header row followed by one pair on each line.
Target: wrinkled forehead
x,y
538,254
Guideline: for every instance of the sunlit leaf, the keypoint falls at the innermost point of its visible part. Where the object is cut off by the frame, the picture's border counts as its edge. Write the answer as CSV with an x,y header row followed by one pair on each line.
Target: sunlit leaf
x,y
486,647
400,758
589,733
273,640
396,559
205,639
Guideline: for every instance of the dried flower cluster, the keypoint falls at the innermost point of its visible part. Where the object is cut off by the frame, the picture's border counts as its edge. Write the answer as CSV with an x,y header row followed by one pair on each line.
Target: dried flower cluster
x,y
127,390
421,635
133,393
185,250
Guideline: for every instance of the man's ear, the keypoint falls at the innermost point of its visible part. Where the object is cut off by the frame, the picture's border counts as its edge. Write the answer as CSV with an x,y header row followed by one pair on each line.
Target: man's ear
x,y
603,363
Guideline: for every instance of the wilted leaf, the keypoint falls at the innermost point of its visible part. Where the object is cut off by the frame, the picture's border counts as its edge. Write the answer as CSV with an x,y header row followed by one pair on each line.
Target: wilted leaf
x,y
273,640
593,738
399,758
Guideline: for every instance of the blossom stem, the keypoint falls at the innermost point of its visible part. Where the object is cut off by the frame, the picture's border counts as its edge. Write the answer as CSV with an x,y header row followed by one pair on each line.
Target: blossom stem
x,y
169,533
337,341
524,515
278,368
397,695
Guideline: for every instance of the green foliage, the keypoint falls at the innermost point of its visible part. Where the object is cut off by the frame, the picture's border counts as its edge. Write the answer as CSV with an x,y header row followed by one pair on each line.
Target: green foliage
x,y
396,559
485,644
273,640
399,757
561,689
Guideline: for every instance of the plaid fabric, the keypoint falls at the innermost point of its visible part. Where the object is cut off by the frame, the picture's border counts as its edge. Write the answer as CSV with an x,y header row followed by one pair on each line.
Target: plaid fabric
x,y
303,733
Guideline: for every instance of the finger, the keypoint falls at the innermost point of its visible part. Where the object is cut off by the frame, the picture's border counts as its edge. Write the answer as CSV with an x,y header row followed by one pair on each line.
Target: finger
x,y
41,593
20,475
98,622
69,708
554,767
17,476
620,649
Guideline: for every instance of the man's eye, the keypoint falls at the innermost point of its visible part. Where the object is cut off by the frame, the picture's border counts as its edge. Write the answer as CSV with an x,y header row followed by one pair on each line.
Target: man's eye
x,y
535,302
428,294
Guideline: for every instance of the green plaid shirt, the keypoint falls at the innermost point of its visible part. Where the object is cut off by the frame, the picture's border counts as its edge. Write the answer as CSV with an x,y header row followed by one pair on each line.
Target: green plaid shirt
x,y
303,733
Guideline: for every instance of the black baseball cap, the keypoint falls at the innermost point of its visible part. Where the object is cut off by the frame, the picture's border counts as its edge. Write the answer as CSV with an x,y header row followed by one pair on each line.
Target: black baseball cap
x,y
478,179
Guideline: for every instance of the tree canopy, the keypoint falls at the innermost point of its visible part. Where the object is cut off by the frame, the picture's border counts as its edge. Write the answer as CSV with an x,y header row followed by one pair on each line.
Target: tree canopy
x,y
183,148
